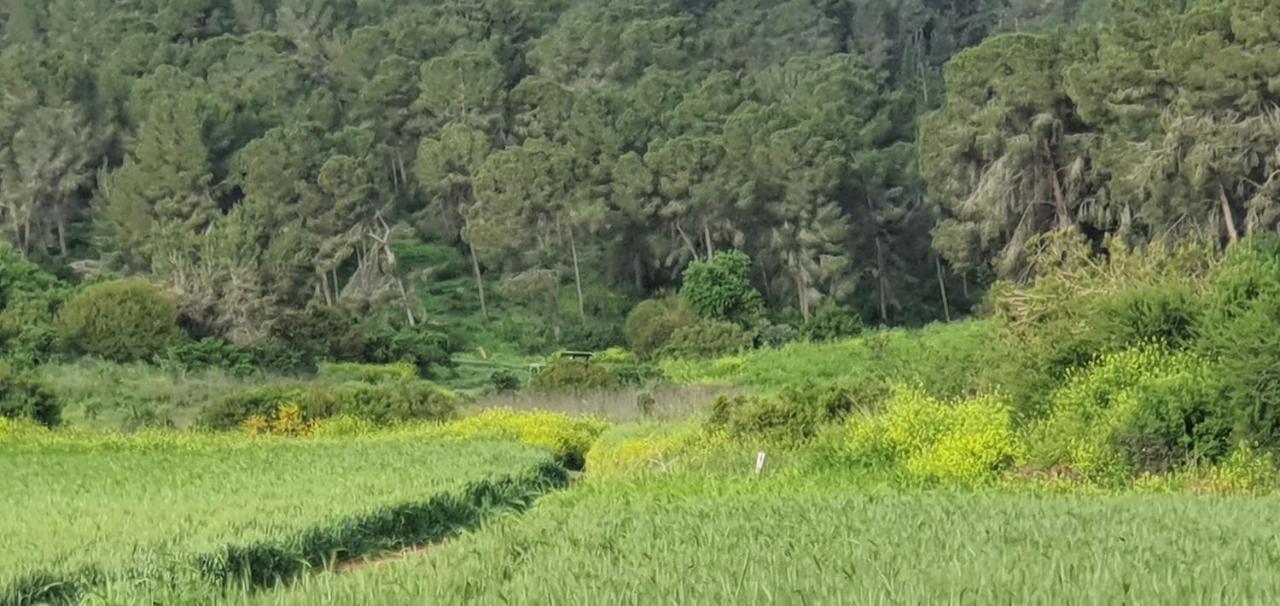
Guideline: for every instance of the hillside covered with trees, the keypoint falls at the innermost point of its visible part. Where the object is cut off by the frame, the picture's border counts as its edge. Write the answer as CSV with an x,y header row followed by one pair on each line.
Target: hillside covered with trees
x,y
525,167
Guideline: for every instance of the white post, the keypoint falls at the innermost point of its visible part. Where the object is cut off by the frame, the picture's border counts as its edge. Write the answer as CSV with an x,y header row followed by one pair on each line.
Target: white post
x,y
760,460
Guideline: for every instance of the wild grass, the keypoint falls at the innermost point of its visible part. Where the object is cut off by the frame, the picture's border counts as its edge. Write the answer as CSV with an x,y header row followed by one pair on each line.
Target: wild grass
x,y
126,397
947,359
626,405
683,539
85,512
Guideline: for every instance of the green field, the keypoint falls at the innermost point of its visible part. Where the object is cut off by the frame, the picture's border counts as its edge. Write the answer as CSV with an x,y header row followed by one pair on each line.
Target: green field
x,y
832,540
87,515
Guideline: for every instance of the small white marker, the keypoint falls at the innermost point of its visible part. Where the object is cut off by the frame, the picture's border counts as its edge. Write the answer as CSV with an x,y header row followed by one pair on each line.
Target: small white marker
x,y
760,458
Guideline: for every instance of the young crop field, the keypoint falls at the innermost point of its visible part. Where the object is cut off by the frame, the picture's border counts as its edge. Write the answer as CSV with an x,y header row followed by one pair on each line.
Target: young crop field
x,y
119,519
828,540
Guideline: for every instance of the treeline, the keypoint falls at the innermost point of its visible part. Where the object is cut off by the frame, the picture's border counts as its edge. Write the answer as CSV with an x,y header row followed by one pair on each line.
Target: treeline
x,y
260,156
1158,125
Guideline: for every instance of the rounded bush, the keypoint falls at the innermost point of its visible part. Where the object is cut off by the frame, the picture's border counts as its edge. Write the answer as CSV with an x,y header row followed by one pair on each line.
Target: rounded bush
x,y
22,396
574,375
650,324
830,322
707,339
720,288
122,321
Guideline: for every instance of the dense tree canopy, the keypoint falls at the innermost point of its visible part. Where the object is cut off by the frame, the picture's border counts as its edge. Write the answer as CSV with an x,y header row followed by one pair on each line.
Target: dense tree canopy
x,y
260,156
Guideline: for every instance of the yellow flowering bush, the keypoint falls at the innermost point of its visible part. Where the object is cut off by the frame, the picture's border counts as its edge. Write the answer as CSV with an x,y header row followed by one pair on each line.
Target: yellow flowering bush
x,y
965,441
288,420
569,438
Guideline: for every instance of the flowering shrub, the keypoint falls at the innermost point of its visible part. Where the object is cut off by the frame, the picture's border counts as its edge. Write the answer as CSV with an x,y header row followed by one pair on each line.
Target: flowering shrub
x,y
569,438
966,441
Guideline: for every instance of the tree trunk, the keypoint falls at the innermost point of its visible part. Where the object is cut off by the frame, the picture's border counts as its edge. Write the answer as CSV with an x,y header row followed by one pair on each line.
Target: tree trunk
x,y
693,250
706,235
802,295
1228,219
62,232
884,305
577,275
638,268
408,308
553,308
324,286
475,269
1059,196
942,288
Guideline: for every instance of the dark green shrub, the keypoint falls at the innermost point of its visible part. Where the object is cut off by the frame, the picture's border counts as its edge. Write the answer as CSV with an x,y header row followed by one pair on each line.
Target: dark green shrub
x,y
591,336
1240,334
650,324
504,381
122,321
1165,314
707,339
574,375
829,323
385,402
390,402
720,289
29,297
795,414
209,353
321,332
424,349
22,396
232,410
529,335
778,335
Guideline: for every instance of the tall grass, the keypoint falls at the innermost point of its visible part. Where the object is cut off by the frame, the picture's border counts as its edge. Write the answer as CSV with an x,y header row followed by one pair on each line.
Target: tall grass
x,y
81,513
947,359
695,540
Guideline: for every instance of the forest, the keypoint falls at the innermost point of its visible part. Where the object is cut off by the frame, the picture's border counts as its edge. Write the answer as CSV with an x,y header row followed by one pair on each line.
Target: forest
x,y
639,301
515,167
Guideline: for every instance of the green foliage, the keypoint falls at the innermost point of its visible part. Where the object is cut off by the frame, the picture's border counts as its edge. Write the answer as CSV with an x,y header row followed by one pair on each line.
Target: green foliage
x,y
778,335
382,403
504,381
720,289
796,414
322,333
23,396
209,353
123,321
830,323
1139,410
651,323
964,441
29,297
1240,334
564,374
591,335
424,349
946,359
367,373
707,339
